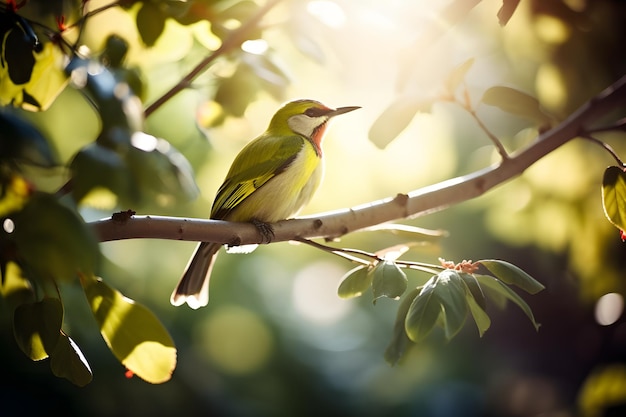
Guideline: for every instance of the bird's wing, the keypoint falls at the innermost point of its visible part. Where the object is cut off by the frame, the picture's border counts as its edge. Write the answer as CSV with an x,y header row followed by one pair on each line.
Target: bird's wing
x,y
257,163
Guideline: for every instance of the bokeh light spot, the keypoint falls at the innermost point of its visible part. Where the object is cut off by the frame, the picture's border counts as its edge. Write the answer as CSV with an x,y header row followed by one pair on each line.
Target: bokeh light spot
x,y
609,308
236,340
315,293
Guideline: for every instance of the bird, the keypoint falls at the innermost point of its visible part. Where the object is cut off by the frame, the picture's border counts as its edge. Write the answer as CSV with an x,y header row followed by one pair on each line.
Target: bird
x,y
271,179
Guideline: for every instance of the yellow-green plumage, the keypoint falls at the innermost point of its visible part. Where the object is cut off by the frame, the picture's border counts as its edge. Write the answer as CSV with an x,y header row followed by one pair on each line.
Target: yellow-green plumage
x,y
271,179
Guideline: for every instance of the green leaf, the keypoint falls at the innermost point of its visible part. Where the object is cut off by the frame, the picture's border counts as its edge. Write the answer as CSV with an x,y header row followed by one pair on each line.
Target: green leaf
x,y
36,327
388,280
67,361
355,282
97,166
482,320
456,77
160,171
499,287
235,93
451,294
475,298
53,240
614,196
395,118
21,141
518,103
410,233
400,341
132,332
150,22
423,312
512,275
475,292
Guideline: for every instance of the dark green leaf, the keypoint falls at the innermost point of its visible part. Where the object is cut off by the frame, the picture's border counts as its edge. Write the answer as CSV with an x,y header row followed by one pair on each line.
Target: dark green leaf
x,y
474,289
518,103
501,288
132,332
451,294
388,280
21,141
36,327
97,166
614,196
150,22
355,282
53,240
400,342
67,361
423,312
512,275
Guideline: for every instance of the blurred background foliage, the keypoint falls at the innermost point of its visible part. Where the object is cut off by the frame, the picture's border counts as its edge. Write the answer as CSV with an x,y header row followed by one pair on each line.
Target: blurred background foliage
x,y
276,340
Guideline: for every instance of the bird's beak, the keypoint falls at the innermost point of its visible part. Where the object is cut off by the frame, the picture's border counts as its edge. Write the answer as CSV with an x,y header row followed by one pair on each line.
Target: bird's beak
x,y
341,110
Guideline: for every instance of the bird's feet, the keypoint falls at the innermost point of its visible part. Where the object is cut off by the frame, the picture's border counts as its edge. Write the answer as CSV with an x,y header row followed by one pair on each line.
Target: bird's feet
x,y
266,230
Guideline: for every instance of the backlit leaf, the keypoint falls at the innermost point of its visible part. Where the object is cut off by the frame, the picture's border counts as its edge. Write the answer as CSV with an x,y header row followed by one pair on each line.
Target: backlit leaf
x,y
457,76
518,103
504,290
67,361
512,275
410,233
395,118
132,332
36,327
614,196
388,280
355,282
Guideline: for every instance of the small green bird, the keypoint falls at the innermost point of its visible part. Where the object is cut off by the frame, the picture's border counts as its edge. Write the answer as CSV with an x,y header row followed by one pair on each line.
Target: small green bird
x,y
271,179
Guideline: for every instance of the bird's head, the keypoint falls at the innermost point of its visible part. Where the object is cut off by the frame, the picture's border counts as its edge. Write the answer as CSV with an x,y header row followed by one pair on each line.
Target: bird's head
x,y
305,117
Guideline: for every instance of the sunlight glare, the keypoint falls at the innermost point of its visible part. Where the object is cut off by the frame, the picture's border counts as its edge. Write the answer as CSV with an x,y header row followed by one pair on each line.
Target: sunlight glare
x,y
314,293
255,46
328,12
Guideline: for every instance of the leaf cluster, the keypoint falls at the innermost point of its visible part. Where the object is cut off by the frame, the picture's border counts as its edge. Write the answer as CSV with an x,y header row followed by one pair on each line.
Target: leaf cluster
x,y
444,301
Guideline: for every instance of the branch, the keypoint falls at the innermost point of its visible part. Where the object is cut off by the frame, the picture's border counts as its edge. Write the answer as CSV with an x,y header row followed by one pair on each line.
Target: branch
x,y
414,204
235,39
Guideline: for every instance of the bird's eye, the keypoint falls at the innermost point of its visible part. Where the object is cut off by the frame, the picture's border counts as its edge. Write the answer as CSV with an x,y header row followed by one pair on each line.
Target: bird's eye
x,y
315,112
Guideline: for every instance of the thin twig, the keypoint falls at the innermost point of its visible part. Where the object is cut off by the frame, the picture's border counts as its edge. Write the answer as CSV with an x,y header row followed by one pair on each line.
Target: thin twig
x,y
605,146
236,37
347,254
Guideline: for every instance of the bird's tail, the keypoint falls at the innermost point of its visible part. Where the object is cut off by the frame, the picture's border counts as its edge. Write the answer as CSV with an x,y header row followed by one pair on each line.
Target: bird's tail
x,y
193,287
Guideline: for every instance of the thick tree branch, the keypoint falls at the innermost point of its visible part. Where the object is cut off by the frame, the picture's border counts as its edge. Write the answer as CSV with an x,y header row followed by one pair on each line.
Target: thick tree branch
x,y
416,203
